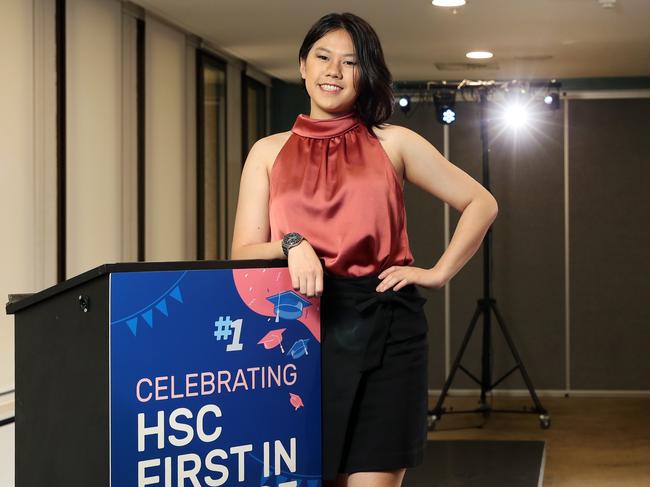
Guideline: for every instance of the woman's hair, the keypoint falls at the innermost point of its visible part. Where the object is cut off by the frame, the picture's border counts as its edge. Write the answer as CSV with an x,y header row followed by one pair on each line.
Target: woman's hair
x,y
375,99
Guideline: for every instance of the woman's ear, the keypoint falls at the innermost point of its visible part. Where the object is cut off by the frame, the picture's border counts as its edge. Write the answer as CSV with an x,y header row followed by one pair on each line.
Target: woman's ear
x,y
302,68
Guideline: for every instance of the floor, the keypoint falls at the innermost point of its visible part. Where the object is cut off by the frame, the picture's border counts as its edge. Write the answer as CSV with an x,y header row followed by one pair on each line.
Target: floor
x,y
592,442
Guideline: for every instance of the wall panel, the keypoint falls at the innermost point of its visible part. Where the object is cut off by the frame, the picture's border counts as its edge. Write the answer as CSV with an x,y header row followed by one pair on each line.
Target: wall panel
x,y
94,134
609,241
18,271
166,140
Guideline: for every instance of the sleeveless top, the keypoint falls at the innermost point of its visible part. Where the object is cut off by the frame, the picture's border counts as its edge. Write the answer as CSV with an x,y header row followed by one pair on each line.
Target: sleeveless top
x,y
333,183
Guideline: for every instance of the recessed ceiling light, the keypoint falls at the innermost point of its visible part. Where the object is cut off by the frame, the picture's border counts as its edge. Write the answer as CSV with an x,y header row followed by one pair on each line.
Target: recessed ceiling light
x,y
448,3
479,55
607,3
534,57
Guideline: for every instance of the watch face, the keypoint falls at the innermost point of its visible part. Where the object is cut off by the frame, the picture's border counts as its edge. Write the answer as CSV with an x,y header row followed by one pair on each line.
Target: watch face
x,y
293,238
289,240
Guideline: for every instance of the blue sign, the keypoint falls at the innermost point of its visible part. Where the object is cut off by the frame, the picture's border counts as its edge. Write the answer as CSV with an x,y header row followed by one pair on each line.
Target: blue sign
x,y
214,379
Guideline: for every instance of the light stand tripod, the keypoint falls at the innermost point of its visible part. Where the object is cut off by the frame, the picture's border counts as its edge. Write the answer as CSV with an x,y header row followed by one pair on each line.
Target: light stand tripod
x,y
483,307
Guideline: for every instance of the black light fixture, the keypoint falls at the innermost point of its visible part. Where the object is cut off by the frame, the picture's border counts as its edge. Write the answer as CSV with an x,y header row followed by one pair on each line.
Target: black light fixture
x,y
553,100
445,103
404,103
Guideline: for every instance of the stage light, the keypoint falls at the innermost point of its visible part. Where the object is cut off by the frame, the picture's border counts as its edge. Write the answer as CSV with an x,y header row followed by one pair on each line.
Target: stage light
x,y
449,116
516,115
404,103
553,100
445,102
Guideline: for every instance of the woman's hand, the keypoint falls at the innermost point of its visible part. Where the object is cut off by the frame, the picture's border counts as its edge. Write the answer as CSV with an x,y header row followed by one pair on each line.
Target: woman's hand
x,y
305,269
399,276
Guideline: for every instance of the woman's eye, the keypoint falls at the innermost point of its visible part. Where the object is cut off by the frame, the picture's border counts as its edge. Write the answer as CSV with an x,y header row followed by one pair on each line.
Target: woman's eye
x,y
351,63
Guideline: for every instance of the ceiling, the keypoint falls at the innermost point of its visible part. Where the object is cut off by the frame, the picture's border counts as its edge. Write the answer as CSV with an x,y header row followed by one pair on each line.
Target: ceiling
x,y
530,39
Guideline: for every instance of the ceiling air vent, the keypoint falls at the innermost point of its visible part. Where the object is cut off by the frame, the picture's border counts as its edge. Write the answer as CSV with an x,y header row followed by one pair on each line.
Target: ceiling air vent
x,y
538,57
465,66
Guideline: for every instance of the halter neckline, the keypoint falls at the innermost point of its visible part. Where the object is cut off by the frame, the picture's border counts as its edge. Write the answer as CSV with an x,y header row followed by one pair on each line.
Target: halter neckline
x,y
324,128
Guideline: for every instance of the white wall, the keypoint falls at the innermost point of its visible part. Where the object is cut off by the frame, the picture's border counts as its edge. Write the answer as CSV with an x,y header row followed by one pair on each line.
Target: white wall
x,y
129,167
17,200
94,117
17,246
101,144
165,144
101,150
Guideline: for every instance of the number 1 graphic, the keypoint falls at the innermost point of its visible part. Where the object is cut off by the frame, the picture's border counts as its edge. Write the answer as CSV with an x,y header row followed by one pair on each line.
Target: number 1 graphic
x,y
236,345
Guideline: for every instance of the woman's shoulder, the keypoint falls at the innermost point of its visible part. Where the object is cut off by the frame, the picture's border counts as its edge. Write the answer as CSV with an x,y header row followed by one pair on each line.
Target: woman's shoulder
x,y
390,131
391,137
268,148
395,136
269,142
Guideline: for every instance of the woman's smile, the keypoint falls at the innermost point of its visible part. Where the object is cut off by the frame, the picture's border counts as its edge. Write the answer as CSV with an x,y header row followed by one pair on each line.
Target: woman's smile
x,y
327,88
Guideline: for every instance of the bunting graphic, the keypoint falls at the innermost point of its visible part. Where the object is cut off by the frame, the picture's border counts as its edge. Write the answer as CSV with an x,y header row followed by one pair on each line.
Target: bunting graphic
x,y
147,316
161,305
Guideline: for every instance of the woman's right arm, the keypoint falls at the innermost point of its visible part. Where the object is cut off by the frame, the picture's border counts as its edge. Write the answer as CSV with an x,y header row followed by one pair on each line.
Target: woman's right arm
x,y
252,230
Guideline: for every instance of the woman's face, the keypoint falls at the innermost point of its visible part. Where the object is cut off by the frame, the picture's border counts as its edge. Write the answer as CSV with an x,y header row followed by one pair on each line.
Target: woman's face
x,y
331,61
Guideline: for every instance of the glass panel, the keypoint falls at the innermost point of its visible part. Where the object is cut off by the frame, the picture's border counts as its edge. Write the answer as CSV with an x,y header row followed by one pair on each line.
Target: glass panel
x,y
214,160
255,115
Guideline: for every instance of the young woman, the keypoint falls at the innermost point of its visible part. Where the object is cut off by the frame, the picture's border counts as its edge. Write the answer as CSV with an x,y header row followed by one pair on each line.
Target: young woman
x,y
331,188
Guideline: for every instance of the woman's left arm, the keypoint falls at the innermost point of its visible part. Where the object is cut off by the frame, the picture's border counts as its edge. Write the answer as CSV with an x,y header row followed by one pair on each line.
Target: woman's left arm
x,y
428,169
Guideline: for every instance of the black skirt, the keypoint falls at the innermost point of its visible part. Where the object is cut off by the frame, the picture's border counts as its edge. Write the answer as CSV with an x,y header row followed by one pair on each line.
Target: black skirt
x,y
374,355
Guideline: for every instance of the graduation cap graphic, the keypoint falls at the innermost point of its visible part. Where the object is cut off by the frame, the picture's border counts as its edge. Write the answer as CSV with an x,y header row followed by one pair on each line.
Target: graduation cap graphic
x,y
299,348
296,401
272,339
288,305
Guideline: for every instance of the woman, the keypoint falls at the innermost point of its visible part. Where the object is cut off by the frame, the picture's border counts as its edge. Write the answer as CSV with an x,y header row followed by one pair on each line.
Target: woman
x,y
331,188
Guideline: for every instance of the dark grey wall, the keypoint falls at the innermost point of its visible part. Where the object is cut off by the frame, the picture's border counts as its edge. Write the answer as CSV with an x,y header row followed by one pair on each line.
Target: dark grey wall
x,y
527,265
609,209
527,239
609,170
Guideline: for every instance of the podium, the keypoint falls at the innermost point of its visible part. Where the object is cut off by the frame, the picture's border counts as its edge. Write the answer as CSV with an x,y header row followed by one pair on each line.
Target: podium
x,y
169,374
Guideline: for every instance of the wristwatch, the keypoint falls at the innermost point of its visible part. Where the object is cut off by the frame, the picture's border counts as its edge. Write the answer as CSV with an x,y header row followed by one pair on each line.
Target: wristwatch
x,y
290,240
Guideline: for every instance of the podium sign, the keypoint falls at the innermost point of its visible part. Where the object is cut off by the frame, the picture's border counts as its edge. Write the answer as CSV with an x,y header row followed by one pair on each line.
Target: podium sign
x,y
213,379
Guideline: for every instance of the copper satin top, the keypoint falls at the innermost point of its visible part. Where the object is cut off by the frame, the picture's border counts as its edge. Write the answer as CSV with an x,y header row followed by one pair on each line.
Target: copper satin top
x,y
333,183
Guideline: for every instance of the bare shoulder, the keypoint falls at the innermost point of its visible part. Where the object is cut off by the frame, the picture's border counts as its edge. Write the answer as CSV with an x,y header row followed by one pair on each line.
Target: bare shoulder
x,y
267,148
398,138
391,138
393,133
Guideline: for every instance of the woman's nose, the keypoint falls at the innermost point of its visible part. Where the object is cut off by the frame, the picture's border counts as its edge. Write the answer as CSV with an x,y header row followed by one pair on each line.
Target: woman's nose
x,y
334,69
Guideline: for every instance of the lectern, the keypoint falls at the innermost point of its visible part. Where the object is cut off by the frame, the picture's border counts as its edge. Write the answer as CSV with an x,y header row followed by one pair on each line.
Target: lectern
x,y
171,374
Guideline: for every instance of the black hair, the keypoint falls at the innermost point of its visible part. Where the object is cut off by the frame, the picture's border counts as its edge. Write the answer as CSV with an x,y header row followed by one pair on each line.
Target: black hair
x,y
375,98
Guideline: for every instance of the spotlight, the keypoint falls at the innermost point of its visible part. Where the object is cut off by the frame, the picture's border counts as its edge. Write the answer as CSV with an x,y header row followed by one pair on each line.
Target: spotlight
x,y
404,103
553,100
445,102
516,115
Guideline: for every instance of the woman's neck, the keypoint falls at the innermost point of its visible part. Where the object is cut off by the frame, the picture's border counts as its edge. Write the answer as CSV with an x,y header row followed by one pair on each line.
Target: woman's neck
x,y
318,114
